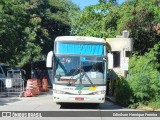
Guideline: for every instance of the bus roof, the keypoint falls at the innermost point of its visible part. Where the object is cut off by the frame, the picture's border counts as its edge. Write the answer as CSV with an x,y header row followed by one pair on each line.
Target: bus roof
x,y
79,39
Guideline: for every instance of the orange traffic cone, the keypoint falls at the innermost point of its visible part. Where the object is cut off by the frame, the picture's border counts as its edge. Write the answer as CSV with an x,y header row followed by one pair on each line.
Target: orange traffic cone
x,y
35,88
29,88
44,85
39,84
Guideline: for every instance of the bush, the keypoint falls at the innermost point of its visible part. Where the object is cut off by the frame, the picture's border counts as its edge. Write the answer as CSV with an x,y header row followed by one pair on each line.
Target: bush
x,y
155,103
145,76
143,85
123,92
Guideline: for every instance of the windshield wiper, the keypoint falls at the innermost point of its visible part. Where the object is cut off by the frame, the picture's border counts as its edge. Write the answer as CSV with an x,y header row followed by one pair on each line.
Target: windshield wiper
x,y
69,83
85,74
81,76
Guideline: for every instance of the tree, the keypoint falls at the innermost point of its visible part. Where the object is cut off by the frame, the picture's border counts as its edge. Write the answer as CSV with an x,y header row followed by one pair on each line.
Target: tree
x,y
12,24
29,27
141,18
48,19
144,77
110,1
97,20
102,1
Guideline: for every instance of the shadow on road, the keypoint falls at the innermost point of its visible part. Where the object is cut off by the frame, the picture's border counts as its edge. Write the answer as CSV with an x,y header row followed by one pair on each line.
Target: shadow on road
x,y
103,106
6,100
78,106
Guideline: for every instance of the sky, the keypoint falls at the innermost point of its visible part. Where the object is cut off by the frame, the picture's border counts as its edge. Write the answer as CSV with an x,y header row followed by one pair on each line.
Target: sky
x,y
83,3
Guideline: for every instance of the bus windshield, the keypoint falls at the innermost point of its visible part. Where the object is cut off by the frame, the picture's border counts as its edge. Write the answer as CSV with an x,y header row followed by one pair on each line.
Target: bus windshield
x,y
79,69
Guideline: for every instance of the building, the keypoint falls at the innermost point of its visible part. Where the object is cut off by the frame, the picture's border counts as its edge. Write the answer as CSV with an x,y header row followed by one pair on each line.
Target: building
x,y
121,49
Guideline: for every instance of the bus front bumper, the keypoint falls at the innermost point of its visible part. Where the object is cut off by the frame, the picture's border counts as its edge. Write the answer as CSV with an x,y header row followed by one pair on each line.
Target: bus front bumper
x,y
62,98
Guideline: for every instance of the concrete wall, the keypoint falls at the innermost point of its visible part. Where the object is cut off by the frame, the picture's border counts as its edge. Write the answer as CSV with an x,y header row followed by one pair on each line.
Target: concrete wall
x,y
121,45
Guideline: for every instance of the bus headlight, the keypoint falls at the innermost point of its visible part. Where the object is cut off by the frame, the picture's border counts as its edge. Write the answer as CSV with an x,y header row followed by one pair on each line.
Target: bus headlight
x,y
99,92
59,92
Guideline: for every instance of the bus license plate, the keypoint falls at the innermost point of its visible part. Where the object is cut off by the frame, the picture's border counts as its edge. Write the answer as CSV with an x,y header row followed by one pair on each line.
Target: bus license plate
x,y
79,98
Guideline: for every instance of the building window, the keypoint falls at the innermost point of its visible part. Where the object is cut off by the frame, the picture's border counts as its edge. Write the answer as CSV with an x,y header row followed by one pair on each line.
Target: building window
x,y
116,59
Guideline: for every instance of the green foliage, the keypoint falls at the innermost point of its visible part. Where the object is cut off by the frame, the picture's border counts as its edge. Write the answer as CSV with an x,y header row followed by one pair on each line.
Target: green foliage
x,y
145,76
12,23
143,85
140,17
28,28
107,19
155,103
123,92
38,22
96,20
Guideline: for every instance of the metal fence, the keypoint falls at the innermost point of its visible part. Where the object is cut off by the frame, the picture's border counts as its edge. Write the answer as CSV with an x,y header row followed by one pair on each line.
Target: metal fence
x,y
11,87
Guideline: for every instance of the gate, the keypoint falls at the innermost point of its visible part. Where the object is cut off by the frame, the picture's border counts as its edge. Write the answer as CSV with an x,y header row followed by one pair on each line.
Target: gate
x,y
11,87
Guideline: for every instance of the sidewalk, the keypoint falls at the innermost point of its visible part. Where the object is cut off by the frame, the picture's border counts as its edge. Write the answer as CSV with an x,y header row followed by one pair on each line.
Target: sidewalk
x,y
43,102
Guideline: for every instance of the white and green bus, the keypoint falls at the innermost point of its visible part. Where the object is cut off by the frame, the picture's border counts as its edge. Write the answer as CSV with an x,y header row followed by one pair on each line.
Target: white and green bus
x,y
79,69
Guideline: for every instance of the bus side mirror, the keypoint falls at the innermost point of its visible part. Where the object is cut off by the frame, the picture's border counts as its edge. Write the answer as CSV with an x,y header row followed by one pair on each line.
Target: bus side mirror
x,y
110,60
49,59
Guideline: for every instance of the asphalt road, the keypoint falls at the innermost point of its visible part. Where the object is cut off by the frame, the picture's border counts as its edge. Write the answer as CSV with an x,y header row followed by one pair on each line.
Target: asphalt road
x,y
44,103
